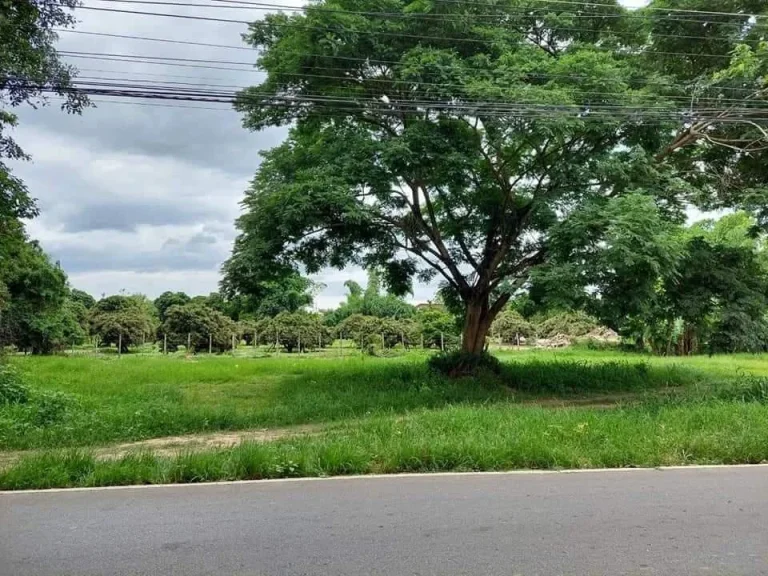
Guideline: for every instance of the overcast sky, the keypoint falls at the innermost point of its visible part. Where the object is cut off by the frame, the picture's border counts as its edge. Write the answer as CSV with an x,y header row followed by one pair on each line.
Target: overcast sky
x,y
144,198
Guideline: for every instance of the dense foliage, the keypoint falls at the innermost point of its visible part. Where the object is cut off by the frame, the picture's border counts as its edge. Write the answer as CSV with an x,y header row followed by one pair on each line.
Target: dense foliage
x,y
197,328
123,320
477,142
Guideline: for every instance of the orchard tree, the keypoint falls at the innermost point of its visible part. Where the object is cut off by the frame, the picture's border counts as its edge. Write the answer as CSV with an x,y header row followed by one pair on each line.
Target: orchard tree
x,y
197,326
295,330
458,139
167,299
125,320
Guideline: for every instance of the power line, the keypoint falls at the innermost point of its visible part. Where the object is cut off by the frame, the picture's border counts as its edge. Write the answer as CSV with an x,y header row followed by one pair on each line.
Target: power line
x,y
150,57
631,96
157,63
186,62
444,17
357,31
502,108
589,3
336,57
150,39
250,5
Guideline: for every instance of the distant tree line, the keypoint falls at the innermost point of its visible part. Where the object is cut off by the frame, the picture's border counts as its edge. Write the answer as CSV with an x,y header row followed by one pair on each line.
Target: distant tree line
x,y
704,291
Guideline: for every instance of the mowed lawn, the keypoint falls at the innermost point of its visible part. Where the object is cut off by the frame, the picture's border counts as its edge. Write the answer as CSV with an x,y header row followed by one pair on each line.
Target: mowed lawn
x,y
548,409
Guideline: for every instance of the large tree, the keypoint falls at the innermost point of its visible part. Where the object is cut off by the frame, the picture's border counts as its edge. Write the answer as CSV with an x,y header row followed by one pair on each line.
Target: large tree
x,y
458,139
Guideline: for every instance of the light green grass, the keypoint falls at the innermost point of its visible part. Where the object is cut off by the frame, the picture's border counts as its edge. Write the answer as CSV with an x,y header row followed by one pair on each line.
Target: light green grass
x,y
140,397
453,438
388,415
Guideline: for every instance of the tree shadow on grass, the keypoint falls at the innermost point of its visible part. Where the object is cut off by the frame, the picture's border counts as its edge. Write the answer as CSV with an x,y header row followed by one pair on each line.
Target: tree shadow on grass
x,y
379,387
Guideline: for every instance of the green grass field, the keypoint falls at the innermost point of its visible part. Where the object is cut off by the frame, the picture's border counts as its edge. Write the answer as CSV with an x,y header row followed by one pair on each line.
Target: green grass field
x,y
548,409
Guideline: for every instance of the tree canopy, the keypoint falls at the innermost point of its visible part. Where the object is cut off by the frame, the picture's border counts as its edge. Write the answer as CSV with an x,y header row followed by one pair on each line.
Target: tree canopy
x,y
123,320
464,140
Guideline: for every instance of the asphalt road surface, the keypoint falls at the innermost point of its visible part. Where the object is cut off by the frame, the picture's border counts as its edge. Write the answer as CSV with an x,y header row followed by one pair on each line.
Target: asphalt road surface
x,y
669,522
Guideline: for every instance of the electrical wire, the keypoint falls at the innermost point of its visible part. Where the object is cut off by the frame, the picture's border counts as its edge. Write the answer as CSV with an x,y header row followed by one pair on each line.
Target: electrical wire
x,y
247,5
374,32
174,61
252,49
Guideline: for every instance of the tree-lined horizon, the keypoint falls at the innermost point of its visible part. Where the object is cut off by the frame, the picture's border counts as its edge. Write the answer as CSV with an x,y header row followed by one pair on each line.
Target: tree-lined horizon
x,y
466,140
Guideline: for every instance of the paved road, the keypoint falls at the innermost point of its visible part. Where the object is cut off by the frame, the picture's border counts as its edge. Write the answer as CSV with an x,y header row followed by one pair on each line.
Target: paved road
x,y
671,523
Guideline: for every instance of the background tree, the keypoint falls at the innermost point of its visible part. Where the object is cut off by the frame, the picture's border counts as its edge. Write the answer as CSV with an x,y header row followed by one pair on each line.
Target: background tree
x,y
457,140
438,326
370,302
260,297
295,331
510,327
31,288
83,298
34,289
193,323
125,319
168,299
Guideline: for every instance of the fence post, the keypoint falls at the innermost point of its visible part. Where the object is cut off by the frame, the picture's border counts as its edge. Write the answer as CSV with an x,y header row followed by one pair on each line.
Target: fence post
x,y
402,339
277,341
320,341
299,341
383,342
422,341
255,339
210,344
442,342
189,341
120,344
341,343
165,343
233,344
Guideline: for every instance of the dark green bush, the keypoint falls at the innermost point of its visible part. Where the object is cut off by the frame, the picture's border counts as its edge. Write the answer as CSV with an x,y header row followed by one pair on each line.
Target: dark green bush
x,y
12,388
457,363
575,377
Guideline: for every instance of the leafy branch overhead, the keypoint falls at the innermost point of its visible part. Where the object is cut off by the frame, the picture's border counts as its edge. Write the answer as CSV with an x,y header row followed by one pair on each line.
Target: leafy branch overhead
x,y
458,140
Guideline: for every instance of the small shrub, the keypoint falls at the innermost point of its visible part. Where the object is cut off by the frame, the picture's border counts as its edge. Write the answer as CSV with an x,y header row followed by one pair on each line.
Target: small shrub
x,y
458,363
12,388
50,407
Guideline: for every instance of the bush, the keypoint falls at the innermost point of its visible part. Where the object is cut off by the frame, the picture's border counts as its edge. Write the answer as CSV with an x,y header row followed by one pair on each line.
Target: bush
x,y
458,363
567,323
12,388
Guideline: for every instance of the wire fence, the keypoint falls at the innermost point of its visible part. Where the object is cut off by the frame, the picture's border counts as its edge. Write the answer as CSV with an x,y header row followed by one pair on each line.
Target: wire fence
x,y
269,345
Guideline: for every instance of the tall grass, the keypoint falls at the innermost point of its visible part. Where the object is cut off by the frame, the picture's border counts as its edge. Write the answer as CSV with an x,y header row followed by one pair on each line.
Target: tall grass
x,y
452,438
133,398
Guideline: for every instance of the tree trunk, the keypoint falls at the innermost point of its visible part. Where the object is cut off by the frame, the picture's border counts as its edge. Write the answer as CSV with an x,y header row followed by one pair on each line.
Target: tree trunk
x,y
477,323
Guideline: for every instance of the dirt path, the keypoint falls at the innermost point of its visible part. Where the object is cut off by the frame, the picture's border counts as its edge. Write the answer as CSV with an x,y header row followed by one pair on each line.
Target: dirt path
x,y
172,445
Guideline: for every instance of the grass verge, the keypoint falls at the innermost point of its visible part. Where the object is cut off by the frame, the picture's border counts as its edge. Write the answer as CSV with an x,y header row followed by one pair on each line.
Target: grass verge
x,y
80,402
456,438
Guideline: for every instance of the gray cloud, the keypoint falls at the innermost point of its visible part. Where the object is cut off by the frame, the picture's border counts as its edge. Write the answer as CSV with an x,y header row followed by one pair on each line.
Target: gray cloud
x,y
125,217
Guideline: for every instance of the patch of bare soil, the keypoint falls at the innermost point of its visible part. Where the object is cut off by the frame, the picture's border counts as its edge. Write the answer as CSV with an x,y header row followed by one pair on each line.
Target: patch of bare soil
x,y
172,445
